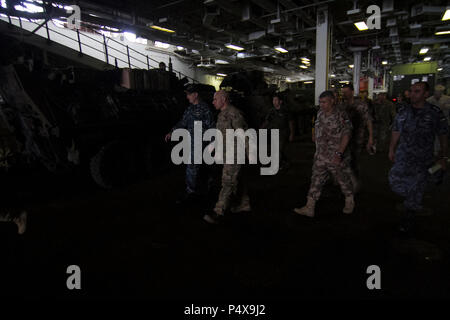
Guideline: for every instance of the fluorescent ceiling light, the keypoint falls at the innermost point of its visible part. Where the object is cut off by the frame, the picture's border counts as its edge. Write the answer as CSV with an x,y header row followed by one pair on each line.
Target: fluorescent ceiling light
x,y
446,15
384,62
423,50
440,33
280,49
350,65
345,81
427,59
161,45
234,47
304,59
303,67
222,74
439,69
361,26
162,29
332,75
180,48
222,62
306,82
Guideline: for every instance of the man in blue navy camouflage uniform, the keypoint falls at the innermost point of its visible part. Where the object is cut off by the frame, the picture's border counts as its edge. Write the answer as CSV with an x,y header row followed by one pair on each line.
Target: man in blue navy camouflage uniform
x,y
414,130
196,176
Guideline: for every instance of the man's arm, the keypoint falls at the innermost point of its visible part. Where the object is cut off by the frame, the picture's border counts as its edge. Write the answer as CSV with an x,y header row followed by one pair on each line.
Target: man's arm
x,y
394,141
342,146
180,124
344,143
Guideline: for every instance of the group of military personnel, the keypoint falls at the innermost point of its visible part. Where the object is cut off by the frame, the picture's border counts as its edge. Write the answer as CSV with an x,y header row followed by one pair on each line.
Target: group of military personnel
x,y
342,129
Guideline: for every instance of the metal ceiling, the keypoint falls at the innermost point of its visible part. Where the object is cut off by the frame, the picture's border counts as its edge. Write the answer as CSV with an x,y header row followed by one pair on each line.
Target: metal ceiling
x,y
260,25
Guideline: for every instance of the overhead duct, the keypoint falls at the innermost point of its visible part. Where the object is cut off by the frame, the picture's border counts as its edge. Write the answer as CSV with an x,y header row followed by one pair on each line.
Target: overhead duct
x,y
421,9
211,12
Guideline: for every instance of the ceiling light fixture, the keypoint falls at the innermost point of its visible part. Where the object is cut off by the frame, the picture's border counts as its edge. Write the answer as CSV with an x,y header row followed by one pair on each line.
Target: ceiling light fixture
x,y
423,50
222,62
351,66
162,29
446,15
362,26
303,67
234,47
440,33
281,49
307,82
439,69
221,74
427,59
384,62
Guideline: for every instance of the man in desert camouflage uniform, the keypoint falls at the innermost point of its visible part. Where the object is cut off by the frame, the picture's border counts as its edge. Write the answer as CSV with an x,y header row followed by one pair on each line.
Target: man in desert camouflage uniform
x,y
385,115
233,195
360,117
332,133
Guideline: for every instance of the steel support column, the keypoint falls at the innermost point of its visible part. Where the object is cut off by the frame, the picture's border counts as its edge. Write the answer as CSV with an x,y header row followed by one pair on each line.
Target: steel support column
x,y
356,71
322,52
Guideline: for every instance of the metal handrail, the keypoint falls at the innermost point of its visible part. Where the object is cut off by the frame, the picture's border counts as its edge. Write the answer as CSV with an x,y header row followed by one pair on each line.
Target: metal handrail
x,y
104,45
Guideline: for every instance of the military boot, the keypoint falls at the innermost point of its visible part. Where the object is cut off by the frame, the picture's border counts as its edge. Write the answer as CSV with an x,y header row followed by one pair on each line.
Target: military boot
x,y
349,205
307,210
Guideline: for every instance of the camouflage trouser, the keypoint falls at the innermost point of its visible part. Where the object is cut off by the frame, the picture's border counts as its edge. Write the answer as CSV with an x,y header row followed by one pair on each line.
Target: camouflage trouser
x,y
320,173
234,188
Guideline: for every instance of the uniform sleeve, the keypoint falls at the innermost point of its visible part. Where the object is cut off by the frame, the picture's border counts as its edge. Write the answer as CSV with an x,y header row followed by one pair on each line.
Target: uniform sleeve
x,y
183,122
238,121
209,119
347,127
364,110
397,125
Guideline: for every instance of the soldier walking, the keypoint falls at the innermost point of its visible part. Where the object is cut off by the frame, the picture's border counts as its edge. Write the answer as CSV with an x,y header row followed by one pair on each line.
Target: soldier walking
x,y
233,196
385,115
415,128
196,180
360,117
332,133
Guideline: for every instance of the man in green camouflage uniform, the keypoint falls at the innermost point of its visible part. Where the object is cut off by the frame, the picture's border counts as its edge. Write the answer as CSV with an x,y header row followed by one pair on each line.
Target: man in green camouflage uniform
x,y
385,115
233,195
332,133
360,117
